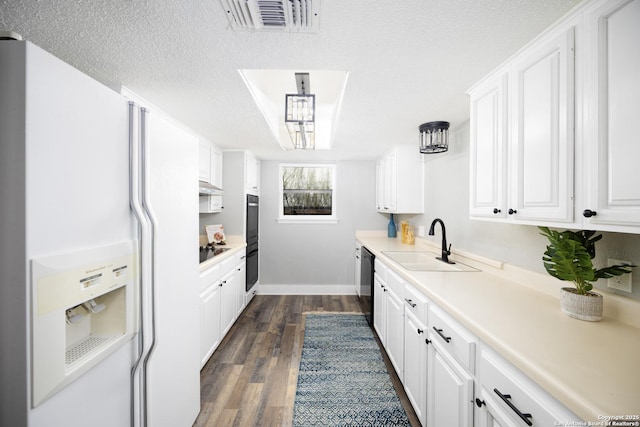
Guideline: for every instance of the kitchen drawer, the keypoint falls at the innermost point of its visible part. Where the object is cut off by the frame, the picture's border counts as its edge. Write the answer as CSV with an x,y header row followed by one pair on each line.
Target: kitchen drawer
x,y
381,270
241,256
209,276
416,302
395,284
514,393
227,265
459,342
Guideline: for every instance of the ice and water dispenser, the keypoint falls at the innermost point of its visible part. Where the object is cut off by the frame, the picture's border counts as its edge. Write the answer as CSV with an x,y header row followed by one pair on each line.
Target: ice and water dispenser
x,y
83,309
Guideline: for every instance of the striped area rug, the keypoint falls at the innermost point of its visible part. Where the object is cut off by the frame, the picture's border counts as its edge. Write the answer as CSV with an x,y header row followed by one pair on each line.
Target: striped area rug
x,y
342,379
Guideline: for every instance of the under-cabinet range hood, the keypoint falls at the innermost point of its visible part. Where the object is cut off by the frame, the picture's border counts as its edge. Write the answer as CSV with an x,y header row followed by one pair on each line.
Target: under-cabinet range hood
x,y
206,189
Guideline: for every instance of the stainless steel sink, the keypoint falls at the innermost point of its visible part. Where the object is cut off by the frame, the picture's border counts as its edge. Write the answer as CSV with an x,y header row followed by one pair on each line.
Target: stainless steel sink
x,y
425,261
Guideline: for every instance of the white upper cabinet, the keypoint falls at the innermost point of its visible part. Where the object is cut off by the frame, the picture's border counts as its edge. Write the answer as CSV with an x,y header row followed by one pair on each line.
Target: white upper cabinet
x,y
521,151
488,151
204,161
216,167
210,171
564,112
612,110
399,181
252,174
210,163
542,116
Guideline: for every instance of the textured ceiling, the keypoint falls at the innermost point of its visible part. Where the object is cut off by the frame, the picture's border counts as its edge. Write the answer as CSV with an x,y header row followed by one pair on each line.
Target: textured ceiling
x,y
410,61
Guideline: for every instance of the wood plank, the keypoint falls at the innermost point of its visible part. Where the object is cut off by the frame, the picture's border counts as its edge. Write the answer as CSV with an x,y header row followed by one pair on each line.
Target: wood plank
x,y
251,378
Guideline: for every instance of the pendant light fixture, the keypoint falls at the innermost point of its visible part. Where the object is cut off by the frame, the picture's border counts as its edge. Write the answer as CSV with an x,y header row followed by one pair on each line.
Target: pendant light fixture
x,y
299,115
434,137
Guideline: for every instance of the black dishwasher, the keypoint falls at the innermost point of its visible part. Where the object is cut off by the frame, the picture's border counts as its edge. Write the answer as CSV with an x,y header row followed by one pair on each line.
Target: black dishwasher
x,y
366,283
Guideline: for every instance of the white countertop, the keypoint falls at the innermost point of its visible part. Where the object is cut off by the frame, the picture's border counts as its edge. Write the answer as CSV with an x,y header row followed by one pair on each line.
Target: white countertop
x,y
234,244
591,367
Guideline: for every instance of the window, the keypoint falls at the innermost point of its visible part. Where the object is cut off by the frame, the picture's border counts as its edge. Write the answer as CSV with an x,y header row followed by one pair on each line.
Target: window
x,y
307,193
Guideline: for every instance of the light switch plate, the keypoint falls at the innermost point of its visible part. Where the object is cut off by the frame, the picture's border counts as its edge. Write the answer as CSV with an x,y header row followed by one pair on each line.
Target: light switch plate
x,y
621,283
421,231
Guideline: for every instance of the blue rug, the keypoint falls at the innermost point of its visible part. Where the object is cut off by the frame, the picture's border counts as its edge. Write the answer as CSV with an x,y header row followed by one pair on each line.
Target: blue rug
x,y
342,379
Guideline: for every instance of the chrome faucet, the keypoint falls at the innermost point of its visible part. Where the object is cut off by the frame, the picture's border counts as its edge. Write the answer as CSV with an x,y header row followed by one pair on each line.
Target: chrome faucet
x,y
445,251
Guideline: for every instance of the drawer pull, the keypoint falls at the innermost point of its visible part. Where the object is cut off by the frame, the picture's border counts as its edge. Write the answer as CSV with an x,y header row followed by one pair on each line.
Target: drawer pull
x,y
420,331
479,403
411,303
427,341
439,331
505,398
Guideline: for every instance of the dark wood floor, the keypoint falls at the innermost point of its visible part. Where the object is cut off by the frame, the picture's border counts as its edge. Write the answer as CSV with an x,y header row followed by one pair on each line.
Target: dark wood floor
x,y
251,378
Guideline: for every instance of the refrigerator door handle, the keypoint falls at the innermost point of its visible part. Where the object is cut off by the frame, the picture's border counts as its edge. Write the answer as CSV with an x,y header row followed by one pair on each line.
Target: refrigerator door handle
x,y
146,335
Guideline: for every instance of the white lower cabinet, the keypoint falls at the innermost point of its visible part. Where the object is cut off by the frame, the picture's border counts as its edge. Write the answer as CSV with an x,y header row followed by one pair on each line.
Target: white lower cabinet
x,y
450,390
222,300
240,287
510,398
380,307
228,299
395,332
357,270
450,371
415,364
210,334
388,314
451,378
395,322
489,413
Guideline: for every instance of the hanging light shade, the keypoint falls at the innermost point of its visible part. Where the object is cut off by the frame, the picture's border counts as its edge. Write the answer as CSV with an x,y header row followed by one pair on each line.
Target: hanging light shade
x,y
434,137
300,119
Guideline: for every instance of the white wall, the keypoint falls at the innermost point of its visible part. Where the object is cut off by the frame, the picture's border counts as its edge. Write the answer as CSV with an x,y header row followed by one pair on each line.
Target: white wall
x,y
447,197
322,254
316,254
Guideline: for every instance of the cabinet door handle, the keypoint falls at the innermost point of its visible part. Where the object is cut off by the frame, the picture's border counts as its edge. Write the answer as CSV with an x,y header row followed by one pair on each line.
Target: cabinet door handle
x,y
512,211
411,303
427,341
439,331
479,403
420,331
505,398
588,213
496,211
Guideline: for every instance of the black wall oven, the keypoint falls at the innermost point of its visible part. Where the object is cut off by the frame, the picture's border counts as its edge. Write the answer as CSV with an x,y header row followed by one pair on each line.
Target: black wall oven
x,y
252,240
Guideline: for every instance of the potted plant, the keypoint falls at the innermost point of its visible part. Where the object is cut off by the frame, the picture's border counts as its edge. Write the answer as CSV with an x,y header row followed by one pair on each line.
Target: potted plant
x,y
568,257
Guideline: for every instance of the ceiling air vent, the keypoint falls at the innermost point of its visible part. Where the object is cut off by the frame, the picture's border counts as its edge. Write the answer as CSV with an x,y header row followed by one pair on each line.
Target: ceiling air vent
x,y
274,15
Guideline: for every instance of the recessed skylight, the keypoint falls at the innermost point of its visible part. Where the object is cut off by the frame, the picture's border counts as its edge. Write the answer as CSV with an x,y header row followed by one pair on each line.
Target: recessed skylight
x,y
268,88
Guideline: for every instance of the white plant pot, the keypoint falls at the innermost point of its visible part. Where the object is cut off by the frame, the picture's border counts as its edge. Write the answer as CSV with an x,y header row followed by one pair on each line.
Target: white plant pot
x,y
584,307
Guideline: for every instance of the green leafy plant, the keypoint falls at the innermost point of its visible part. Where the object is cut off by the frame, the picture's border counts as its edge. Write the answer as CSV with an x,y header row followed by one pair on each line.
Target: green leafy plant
x,y
568,257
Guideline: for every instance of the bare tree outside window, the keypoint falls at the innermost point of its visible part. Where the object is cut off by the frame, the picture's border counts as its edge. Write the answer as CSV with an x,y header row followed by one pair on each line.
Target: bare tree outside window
x,y
307,190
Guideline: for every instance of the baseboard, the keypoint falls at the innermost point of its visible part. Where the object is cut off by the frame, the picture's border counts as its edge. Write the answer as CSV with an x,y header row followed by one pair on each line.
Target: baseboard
x,y
294,289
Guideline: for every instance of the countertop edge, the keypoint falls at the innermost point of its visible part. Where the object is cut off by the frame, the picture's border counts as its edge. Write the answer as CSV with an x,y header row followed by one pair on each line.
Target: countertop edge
x,y
577,393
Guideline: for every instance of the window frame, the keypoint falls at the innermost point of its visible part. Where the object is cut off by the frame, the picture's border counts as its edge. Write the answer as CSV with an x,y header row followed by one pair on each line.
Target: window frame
x,y
308,219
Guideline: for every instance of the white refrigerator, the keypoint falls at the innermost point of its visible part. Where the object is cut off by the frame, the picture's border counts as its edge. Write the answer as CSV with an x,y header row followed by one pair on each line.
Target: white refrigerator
x,y
83,170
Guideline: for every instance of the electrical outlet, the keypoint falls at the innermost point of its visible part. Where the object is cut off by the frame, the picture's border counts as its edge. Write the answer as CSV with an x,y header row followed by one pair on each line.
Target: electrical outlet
x,y
421,231
621,283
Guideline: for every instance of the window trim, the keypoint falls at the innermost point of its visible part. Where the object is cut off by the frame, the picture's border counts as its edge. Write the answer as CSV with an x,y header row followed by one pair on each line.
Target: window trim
x,y
308,219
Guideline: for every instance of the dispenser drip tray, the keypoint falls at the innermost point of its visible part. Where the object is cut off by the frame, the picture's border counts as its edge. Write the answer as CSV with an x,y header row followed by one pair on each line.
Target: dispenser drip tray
x,y
85,347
